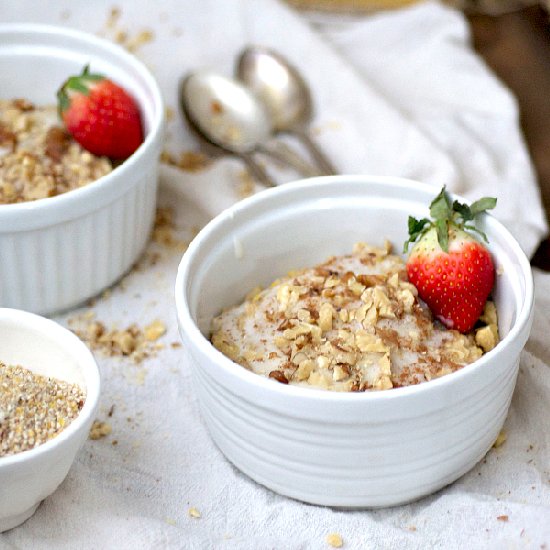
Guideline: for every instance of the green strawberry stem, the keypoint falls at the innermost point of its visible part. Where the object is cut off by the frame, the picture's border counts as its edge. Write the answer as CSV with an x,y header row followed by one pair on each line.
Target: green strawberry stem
x,y
447,214
80,83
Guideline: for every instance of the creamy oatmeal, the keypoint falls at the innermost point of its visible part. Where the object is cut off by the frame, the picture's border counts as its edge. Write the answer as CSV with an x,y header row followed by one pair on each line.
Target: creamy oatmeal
x,y
353,323
38,159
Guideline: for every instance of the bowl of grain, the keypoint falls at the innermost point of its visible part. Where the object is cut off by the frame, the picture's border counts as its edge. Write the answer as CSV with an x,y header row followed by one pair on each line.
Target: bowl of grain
x,y
354,426
71,223
50,389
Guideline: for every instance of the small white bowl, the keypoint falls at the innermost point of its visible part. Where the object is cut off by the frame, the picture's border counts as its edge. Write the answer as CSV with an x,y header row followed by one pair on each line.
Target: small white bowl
x,y
367,449
48,349
59,251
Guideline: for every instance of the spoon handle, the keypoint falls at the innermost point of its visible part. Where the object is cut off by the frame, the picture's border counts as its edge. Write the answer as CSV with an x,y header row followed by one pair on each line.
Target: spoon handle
x,y
320,158
284,153
257,171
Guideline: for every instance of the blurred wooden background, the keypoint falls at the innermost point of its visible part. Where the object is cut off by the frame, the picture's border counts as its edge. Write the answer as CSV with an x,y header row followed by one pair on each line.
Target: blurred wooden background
x,y
516,46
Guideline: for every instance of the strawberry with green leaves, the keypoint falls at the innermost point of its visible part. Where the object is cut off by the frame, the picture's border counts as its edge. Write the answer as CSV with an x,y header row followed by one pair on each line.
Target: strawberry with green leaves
x,y
452,270
100,115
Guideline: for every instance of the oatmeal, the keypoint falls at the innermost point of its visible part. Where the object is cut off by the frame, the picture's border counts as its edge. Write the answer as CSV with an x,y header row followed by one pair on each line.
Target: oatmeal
x,y
38,159
34,408
353,323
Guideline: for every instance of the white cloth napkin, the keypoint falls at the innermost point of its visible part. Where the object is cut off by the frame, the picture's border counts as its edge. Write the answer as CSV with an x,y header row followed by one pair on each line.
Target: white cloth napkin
x,y
399,93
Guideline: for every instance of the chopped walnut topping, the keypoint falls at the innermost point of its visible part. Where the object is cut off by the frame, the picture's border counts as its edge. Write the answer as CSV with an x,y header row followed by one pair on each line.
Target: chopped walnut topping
x,y
325,317
278,375
487,337
353,323
57,143
38,159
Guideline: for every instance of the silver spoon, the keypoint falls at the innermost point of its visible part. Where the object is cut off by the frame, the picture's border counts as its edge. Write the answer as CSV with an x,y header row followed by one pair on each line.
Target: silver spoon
x,y
227,115
284,92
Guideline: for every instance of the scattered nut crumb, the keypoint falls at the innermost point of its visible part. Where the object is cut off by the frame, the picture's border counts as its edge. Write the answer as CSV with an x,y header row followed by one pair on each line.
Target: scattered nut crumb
x,y
502,518
132,42
170,521
169,114
113,17
187,161
163,231
330,125
246,184
155,330
501,438
335,540
133,342
99,430
194,513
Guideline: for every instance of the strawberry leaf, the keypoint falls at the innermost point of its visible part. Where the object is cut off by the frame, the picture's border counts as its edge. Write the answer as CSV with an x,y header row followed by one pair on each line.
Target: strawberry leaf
x,y
481,205
478,231
463,210
440,208
79,84
416,228
442,229
75,83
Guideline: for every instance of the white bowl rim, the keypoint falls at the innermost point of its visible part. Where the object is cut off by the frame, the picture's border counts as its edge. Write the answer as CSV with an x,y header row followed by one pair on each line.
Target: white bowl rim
x,y
64,200
188,325
66,339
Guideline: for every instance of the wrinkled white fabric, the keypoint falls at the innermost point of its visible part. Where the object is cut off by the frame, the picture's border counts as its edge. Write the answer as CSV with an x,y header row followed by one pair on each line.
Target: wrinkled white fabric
x,y
400,93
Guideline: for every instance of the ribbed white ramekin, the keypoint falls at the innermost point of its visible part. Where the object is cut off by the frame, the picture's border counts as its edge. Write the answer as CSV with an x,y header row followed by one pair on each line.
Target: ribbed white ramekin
x,y
57,252
342,449
29,477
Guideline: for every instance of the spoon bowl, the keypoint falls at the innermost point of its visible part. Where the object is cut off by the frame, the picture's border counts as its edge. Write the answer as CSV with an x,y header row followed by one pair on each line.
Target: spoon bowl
x,y
284,92
229,116
224,112
279,85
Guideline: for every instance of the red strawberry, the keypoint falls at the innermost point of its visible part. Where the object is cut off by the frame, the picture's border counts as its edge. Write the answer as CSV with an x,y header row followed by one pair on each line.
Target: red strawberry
x,y
100,115
453,271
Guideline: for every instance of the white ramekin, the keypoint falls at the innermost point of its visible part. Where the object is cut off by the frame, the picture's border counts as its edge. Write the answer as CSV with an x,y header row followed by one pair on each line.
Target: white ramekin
x,y
46,348
342,449
59,251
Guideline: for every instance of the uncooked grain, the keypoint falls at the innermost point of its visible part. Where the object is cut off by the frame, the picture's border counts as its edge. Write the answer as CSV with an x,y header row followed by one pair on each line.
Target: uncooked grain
x,y
34,408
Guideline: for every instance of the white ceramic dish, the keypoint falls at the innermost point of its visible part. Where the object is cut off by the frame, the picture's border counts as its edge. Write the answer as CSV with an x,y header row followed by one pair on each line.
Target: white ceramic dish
x,y
355,449
46,348
59,251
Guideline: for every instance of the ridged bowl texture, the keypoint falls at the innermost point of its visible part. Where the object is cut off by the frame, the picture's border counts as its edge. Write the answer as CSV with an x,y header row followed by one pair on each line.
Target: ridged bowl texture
x,y
368,449
59,251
